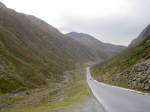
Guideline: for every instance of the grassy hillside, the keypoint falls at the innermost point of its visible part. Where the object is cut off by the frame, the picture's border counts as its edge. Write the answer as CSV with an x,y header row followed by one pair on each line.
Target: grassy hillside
x,y
32,52
131,69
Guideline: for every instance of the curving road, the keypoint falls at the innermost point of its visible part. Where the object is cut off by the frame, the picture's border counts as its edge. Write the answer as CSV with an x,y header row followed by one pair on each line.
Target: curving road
x,y
115,99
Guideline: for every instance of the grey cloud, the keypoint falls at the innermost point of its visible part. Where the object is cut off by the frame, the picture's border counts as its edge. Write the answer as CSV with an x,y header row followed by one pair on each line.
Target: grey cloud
x,y
119,29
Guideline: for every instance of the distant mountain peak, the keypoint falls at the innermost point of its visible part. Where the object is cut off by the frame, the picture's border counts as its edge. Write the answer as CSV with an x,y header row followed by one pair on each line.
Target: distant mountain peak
x,y
73,32
82,37
79,34
100,49
2,5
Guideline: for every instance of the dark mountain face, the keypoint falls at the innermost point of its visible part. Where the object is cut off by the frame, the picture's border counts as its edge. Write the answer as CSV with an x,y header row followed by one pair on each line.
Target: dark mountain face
x,y
100,50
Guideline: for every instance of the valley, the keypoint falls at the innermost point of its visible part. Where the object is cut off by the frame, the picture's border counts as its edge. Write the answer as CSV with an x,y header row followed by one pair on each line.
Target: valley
x,y
45,70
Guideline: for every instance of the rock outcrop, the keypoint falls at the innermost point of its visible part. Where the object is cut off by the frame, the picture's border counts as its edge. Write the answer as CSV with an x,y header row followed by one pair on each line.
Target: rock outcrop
x,y
139,76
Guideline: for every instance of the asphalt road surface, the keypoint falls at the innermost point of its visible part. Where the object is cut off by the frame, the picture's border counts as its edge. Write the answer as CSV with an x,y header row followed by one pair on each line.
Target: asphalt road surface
x,y
115,99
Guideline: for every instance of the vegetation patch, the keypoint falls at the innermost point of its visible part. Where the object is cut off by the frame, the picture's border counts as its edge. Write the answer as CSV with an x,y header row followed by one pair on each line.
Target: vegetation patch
x,y
49,99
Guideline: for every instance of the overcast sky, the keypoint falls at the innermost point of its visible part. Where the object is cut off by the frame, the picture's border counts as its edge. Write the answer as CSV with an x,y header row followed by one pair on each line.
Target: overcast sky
x,y
113,21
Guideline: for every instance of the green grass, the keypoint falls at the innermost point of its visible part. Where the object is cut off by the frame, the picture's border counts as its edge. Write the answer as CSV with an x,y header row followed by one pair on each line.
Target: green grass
x,y
75,98
23,68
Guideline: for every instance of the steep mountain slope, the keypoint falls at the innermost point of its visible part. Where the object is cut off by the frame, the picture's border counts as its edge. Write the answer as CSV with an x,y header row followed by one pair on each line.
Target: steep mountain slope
x,y
131,68
32,52
100,50
145,33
